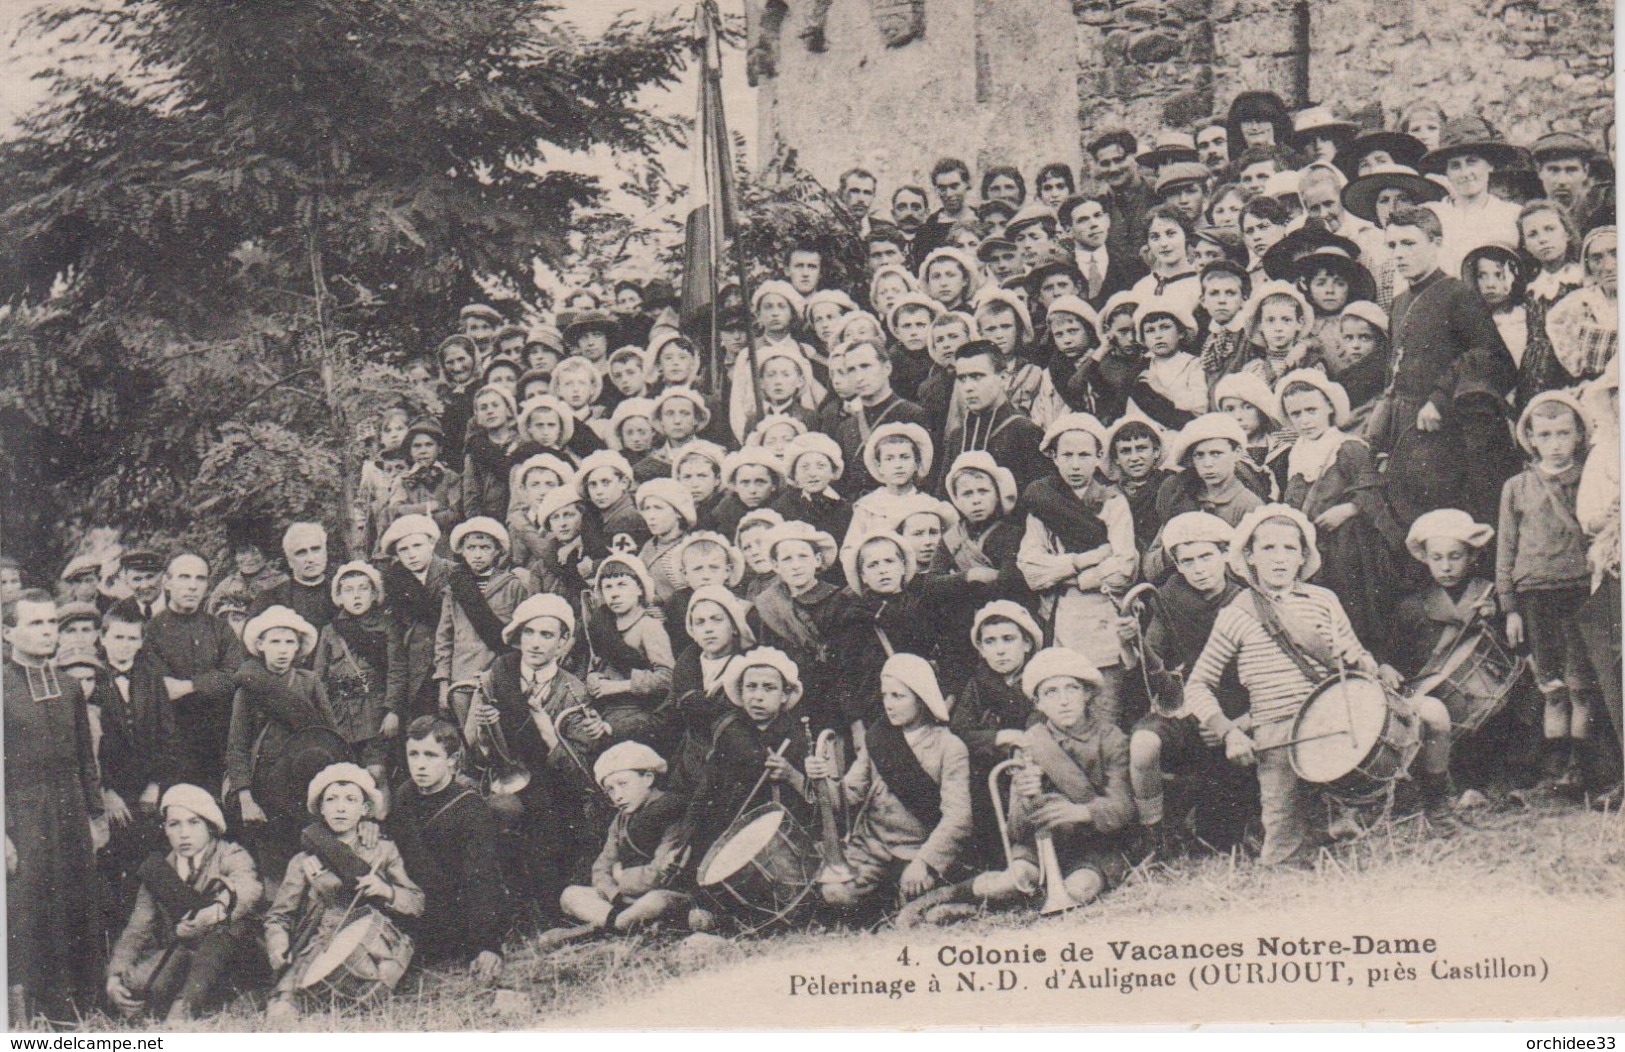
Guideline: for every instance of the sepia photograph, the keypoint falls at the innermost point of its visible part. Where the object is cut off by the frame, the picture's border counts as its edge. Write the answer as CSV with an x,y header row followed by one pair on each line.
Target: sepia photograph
x,y
592,515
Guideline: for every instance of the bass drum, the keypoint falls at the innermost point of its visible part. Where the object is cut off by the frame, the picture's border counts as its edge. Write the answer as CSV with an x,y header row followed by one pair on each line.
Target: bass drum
x,y
1354,737
761,871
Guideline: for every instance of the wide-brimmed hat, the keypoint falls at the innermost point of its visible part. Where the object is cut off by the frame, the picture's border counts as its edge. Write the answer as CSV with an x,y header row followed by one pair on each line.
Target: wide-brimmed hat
x,y
342,772
566,415
914,434
1058,661
979,460
1007,610
1257,517
1250,388
1204,428
359,568
278,617
601,458
1333,258
851,554
1319,119
736,558
1256,106
481,524
762,657
542,604
1360,195
1281,260
1469,134
823,545
1318,380
589,321
1403,149
1451,524
1168,147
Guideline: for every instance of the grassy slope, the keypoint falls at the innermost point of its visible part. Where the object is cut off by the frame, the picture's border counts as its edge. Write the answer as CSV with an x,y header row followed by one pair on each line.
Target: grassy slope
x,y
1544,853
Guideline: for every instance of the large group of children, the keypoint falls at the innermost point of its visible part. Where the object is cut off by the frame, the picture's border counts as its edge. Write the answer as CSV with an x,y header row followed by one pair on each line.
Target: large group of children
x,y
1106,482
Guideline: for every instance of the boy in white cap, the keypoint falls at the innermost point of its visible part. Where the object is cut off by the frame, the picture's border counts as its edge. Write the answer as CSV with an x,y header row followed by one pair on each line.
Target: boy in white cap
x,y
898,457
613,521
553,730
1208,454
668,512
192,914
1167,740
1073,786
322,880
990,713
634,875
278,700
812,464
481,594
1078,544
909,787
1429,623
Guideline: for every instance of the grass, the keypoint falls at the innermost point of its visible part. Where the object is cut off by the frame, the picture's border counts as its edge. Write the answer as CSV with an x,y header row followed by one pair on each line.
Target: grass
x,y
1546,850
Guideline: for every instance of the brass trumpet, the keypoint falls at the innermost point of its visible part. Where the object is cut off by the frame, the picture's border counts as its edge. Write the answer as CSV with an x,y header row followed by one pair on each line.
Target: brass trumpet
x,y
504,775
828,799
1056,898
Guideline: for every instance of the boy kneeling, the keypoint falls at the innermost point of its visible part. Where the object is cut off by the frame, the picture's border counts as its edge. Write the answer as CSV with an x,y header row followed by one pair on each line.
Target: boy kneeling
x,y
1088,808
191,915
910,787
645,851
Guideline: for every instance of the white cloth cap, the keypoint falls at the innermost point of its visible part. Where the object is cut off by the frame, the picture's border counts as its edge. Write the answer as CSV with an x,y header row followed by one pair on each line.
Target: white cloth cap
x,y
627,756
542,604
481,524
915,673
198,801
342,772
1449,524
1058,661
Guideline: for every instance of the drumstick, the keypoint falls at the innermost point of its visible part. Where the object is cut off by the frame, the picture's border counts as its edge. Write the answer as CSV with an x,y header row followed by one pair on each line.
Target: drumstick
x,y
1300,741
344,919
785,744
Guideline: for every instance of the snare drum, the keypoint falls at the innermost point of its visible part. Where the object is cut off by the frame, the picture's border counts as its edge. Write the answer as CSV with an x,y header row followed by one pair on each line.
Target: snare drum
x,y
1354,737
762,869
362,964
1475,679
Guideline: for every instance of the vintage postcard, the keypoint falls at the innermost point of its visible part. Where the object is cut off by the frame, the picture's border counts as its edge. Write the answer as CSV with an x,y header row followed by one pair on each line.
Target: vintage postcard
x,y
748,514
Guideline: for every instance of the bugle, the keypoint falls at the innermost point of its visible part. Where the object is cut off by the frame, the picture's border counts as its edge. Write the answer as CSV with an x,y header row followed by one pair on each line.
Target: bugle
x,y
1056,898
827,798
503,775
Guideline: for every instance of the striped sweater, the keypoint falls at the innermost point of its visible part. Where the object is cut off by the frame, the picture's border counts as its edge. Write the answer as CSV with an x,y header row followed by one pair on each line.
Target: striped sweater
x,y
1276,688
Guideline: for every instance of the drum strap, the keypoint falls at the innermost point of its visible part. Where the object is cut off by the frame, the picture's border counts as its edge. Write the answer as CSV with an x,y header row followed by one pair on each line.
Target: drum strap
x,y
1456,633
447,806
1312,670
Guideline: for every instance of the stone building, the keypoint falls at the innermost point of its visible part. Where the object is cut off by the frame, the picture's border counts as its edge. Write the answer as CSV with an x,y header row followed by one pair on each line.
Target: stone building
x,y
893,84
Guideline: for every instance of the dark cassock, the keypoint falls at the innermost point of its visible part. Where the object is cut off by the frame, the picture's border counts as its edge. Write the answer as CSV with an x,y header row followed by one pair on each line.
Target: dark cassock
x,y
53,947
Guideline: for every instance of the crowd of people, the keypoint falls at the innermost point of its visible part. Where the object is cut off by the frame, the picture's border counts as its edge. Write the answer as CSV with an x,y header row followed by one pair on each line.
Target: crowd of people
x,y
1109,480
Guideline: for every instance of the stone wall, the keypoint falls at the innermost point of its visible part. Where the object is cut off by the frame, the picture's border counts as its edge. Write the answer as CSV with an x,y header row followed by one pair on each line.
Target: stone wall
x,y
984,81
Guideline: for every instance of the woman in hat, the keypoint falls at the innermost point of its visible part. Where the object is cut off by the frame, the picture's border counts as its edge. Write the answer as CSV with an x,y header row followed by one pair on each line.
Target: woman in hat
x,y
1368,150
1547,235
323,880
1331,277
275,699
427,486
1257,118
1318,134
1469,152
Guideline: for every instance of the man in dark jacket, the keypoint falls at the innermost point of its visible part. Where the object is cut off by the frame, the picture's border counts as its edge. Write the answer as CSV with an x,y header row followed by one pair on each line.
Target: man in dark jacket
x,y
991,423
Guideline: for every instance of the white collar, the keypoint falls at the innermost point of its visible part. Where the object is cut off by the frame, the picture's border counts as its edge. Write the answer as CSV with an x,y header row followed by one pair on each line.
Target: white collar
x,y
1547,283
1310,458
